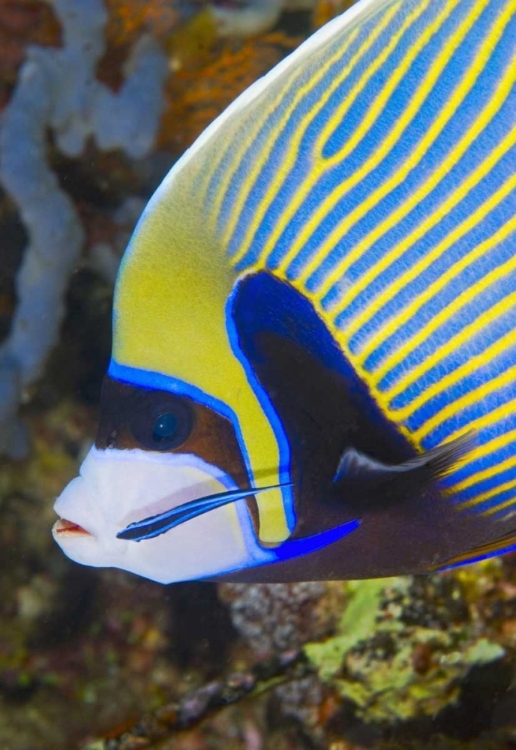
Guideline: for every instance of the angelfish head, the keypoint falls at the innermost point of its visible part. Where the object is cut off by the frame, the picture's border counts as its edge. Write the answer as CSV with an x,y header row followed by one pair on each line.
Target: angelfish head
x,y
157,451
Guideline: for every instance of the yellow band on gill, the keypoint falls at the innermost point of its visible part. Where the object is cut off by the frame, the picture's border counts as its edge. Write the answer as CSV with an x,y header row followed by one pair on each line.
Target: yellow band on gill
x,y
170,318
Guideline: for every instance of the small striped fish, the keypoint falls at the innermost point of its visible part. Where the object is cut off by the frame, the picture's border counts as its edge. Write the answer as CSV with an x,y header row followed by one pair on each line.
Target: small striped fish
x,y
313,371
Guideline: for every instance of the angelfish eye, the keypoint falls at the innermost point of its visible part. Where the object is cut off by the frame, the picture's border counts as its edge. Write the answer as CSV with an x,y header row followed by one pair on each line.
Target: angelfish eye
x,y
161,421
165,427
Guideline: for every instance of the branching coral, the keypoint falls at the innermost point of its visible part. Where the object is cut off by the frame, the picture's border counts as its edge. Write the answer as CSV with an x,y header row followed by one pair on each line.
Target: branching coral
x,y
57,90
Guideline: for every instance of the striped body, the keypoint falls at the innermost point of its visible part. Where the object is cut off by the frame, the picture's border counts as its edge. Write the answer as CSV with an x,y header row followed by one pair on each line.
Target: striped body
x,y
379,179
313,370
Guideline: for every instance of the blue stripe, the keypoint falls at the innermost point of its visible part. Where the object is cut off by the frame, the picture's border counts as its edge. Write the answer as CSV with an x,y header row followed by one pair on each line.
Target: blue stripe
x,y
303,164
496,500
299,547
466,416
283,137
289,550
501,171
446,261
464,316
337,140
473,467
479,557
494,458
233,137
468,384
332,179
409,293
159,381
270,413
475,345
483,435
486,485
452,76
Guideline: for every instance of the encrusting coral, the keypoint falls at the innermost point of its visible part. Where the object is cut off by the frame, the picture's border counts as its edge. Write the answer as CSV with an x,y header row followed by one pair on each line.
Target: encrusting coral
x,y
277,617
210,74
403,647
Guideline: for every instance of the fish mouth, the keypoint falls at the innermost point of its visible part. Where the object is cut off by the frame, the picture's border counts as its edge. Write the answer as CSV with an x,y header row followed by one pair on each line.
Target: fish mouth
x,y
63,527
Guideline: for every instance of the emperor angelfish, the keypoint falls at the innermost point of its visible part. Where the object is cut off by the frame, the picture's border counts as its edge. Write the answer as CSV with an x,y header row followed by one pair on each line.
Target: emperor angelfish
x,y
314,362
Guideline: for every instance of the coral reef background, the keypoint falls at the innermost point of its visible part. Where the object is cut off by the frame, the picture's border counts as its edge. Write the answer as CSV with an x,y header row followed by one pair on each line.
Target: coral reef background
x,y
101,659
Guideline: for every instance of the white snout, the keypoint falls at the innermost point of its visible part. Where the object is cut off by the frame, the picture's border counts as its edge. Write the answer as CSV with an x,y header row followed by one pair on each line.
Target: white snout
x,y
119,487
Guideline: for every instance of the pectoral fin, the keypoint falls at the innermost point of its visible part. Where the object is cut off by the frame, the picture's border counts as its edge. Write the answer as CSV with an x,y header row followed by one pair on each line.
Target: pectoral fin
x,y
424,470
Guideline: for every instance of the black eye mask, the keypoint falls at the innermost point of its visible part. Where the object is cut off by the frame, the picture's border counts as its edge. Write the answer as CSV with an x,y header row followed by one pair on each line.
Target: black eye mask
x,y
133,417
160,424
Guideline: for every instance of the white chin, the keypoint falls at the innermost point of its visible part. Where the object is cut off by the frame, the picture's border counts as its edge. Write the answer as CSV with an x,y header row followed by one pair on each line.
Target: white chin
x,y
119,487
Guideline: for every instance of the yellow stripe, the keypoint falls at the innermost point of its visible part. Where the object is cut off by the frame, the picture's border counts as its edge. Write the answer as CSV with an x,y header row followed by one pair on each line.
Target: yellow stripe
x,y
492,351
480,392
486,420
256,121
450,345
251,136
482,498
254,173
363,375
258,118
492,445
502,506
497,546
459,231
444,116
284,168
354,139
424,367
464,296
383,150
481,476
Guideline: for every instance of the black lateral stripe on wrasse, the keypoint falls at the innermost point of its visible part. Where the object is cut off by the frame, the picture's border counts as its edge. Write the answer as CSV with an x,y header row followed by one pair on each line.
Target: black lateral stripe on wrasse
x,y
153,526
424,469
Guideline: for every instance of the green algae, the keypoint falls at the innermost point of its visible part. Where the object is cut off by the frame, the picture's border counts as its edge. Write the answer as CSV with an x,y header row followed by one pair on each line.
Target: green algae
x,y
391,668
356,625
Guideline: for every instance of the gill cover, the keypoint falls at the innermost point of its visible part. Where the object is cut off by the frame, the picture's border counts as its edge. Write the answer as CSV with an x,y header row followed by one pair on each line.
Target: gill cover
x,y
173,330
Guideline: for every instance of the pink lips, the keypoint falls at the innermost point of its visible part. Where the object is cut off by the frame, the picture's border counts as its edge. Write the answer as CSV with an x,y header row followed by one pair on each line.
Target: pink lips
x,y
68,528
